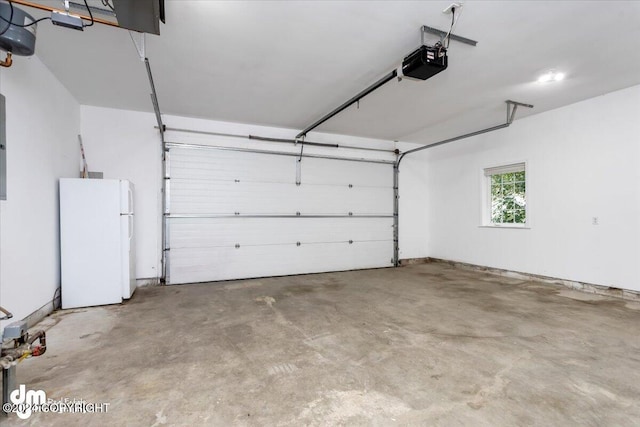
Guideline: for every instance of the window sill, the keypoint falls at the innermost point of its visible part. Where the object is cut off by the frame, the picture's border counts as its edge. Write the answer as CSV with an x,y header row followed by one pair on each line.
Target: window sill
x,y
517,227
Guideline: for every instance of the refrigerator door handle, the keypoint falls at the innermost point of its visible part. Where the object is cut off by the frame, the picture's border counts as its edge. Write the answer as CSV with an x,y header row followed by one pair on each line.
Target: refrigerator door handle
x,y
130,199
130,220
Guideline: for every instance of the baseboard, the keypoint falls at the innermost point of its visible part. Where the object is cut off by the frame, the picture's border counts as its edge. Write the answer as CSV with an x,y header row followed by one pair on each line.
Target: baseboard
x,y
591,288
152,281
413,261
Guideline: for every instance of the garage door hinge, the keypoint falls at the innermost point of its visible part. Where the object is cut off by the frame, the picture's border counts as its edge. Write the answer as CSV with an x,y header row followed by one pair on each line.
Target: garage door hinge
x,y
298,243
237,245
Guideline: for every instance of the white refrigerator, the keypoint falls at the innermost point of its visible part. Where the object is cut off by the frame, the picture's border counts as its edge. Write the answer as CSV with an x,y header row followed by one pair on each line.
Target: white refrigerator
x,y
97,244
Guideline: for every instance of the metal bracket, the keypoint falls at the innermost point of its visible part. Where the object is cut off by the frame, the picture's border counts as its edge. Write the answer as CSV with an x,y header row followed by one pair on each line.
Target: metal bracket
x,y
442,34
299,171
140,46
512,107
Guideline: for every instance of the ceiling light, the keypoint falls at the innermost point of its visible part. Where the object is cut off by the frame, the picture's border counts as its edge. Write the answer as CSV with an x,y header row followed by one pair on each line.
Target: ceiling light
x,y
544,78
551,76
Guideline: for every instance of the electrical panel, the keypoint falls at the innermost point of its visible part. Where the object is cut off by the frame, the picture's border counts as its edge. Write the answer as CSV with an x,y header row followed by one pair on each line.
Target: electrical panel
x,y
3,151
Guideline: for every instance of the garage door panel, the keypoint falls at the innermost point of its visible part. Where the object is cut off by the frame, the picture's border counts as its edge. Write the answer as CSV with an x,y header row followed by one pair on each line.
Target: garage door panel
x,y
323,171
227,232
229,165
214,264
266,198
253,167
211,193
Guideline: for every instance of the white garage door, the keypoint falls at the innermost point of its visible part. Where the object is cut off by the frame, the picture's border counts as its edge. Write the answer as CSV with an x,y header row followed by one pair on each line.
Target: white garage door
x,y
238,214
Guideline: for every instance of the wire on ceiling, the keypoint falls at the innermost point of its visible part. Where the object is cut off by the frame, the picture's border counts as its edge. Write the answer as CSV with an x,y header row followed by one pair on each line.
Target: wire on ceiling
x,y
454,22
444,43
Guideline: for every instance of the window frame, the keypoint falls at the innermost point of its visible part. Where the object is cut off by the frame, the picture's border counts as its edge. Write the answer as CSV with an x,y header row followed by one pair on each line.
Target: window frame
x,y
486,174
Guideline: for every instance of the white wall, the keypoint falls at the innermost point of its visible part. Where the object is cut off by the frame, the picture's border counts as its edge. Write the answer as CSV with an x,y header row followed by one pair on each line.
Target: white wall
x,y
413,235
124,144
583,162
43,121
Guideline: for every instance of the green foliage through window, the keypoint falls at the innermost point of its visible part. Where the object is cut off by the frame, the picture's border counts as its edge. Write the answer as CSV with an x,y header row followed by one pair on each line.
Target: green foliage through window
x,y
508,198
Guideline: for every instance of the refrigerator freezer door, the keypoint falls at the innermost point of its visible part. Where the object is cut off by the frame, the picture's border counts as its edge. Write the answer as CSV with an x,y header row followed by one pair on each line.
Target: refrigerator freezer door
x,y
90,243
127,236
126,197
128,279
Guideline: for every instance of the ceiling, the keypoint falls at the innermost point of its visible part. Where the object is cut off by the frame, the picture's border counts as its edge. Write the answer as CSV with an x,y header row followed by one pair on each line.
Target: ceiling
x,y
288,63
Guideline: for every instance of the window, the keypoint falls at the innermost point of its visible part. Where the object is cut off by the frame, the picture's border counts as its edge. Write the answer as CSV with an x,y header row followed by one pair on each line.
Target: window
x,y
507,201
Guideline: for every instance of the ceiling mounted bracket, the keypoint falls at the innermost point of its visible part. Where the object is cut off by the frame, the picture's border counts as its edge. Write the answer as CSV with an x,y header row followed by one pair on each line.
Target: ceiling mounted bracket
x,y
512,107
443,34
139,45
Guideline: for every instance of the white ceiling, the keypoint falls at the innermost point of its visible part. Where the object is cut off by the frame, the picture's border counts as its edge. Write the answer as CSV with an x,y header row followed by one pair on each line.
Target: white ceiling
x,y
288,63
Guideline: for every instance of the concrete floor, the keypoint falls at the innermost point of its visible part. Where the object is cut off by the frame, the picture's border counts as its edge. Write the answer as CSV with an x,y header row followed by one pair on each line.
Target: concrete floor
x,y
421,345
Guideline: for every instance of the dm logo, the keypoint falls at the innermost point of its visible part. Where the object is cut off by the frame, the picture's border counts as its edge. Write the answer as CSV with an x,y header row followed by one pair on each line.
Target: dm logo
x,y
25,400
